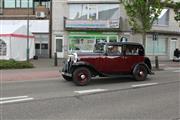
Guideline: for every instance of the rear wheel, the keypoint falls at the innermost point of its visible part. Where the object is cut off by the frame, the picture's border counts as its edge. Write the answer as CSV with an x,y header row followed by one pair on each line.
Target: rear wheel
x,y
81,76
140,73
67,78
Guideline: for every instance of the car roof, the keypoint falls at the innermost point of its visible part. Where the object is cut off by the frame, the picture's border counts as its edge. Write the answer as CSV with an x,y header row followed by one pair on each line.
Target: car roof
x,y
121,43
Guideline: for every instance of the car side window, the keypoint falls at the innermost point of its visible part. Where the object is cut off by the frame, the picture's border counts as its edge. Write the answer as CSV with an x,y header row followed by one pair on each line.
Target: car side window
x,y
133,50
114,50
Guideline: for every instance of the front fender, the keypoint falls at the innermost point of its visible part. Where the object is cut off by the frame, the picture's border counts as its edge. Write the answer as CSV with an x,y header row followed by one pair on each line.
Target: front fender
x,y
83,64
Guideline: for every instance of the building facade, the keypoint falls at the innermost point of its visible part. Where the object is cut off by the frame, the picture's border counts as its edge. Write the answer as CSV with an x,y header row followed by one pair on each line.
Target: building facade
x,y
79,24
33,13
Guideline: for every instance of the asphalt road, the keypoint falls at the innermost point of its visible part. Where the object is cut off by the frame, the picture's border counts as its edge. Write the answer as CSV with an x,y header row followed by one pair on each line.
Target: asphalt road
x,y
119,98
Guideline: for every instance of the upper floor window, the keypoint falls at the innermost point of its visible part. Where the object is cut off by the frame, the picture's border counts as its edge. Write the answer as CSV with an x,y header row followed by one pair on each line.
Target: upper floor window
x,y
1,6
163,18
18,3
3,48
94,11
46,4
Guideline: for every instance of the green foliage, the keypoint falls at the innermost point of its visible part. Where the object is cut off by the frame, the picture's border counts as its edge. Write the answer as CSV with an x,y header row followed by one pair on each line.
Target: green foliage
x,y
176,10
12,64
142,13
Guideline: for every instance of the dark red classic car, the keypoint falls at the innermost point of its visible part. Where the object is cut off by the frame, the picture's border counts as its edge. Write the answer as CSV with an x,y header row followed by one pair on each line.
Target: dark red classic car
x,y
107,59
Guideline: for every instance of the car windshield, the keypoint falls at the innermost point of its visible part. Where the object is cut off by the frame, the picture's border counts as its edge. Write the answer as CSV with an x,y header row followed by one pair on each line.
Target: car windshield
x,y
99,48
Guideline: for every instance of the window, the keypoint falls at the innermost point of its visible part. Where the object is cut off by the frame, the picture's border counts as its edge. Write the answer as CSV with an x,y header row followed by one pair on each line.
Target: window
x,y
24,3
1,6
82,43
133,50
59,45
157,47
3,48
114,50
44,46
37,46
163,18
9,3
18,3
94,11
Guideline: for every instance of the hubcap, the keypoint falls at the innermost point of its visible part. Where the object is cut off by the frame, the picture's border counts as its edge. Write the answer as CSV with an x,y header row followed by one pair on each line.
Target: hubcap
x,y
83,76
141,73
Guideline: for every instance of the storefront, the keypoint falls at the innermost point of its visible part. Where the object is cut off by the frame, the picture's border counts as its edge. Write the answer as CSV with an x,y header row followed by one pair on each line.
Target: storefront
x,y
84,41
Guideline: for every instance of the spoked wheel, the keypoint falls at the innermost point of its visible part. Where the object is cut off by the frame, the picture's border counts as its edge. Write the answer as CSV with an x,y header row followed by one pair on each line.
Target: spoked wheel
x,y
140,73
67,78
82,76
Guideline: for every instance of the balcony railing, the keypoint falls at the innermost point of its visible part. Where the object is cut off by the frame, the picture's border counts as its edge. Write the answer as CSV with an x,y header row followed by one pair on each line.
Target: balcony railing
x,y
92,24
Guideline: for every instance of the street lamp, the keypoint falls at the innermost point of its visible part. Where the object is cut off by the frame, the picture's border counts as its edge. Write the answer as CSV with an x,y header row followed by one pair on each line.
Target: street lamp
x,y
28,33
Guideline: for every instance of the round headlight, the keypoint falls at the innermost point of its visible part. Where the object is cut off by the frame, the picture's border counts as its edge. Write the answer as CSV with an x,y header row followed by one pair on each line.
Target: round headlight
x,y
75,57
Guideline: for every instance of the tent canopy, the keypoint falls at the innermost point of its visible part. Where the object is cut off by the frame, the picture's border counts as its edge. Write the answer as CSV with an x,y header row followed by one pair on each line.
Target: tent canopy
x,y
14,41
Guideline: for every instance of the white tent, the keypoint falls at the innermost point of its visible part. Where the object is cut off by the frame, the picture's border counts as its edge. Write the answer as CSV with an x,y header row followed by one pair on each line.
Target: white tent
x,y
13,42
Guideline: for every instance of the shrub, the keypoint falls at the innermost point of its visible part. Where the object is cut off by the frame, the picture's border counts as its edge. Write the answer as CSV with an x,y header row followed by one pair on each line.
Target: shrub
x,y
12,64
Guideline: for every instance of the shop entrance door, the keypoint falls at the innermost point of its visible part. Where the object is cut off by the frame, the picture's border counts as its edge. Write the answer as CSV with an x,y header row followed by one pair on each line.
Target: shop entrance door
x,y
172,47
59,47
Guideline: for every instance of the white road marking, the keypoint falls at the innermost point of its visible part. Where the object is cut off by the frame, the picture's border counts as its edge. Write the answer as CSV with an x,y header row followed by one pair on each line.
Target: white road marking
x,y
171,68
9,98
142,85
90,91
176,71
14,99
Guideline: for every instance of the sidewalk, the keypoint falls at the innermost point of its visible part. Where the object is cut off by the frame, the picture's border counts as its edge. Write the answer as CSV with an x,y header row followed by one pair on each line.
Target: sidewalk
x,y
45,69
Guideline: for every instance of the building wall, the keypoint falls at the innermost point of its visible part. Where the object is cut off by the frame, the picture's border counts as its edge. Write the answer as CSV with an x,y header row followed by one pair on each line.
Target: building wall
x,y
60,10
172,26
169,31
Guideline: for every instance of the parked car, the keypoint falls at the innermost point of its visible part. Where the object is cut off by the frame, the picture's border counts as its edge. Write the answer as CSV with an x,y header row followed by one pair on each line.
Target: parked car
x,y
107,59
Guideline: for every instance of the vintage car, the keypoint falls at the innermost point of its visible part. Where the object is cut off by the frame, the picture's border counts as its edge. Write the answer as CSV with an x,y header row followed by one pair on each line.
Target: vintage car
x,y
107,59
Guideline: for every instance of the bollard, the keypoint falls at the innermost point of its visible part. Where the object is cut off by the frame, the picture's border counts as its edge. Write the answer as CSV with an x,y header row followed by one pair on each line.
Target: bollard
x,y
156,62
55,59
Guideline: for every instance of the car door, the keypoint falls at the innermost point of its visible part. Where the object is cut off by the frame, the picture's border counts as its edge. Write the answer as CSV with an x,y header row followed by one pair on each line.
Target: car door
x,y
113,61
133,55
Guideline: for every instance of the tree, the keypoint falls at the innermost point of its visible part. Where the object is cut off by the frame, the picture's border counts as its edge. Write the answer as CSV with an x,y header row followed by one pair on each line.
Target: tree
x,y
177,11
142,14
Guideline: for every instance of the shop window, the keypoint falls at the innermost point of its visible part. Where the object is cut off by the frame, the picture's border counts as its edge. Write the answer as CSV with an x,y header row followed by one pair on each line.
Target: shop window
x,y
101,39
112,39
3,48
156,47
82,44
24,3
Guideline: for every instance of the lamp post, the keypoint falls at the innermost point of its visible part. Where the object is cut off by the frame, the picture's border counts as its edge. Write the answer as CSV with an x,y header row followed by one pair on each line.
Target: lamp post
x,y
28,33
50,30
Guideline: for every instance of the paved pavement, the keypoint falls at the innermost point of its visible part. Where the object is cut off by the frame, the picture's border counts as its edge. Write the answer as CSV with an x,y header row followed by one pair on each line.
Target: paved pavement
x,y
45,69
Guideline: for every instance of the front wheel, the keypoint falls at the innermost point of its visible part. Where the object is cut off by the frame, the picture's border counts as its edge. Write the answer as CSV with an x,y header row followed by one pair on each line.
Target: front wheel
x,y
140,73
81,76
